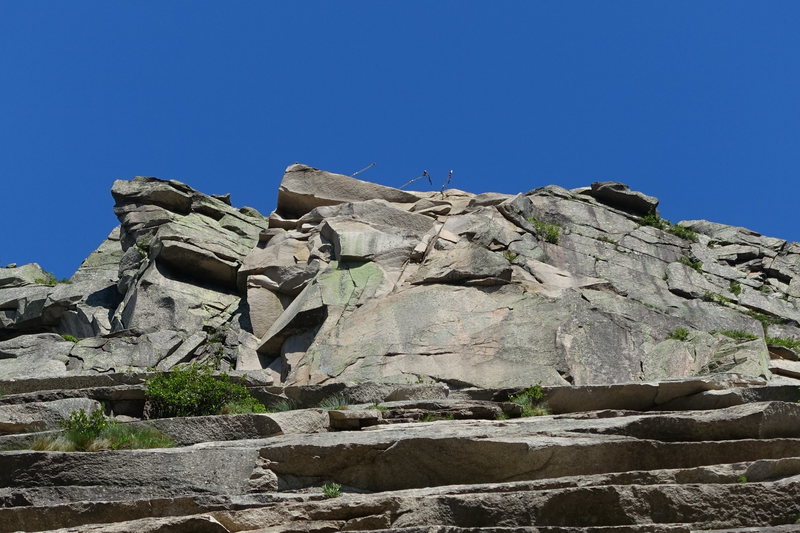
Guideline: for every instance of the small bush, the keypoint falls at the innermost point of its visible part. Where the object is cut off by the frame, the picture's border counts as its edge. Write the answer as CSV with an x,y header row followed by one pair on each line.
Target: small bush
x,y
510,256
736,288
70,338
679,334
691,263
548,232
655,221
742,479
378,407
194,391
736,334
682,232
532,401
82,429
331,490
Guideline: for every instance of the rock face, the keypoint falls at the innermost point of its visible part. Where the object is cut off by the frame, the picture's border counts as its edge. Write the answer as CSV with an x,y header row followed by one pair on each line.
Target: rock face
x,y
351,281
667,356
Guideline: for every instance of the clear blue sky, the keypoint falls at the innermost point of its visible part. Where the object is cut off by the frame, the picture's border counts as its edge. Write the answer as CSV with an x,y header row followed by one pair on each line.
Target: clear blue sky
x,y
695,102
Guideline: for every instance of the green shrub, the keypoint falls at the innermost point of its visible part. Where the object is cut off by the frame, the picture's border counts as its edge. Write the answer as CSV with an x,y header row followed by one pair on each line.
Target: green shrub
x,y
682,232
331,490
742,479
691,263
736,334
532,401
194,391
679,334
82,429
69,338
548,232
736,288
510,256
655,221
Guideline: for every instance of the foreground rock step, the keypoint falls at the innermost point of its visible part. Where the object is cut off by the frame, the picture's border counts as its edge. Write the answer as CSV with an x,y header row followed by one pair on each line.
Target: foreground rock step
x,y
594,501
617,467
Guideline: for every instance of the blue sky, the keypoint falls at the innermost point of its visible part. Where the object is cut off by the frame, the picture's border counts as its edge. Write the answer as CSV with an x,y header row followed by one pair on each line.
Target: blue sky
x,y
695,102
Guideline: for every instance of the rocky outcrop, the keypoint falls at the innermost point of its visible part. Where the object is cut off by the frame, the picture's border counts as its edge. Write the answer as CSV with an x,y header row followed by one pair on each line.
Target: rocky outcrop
x,y
667,355
351,281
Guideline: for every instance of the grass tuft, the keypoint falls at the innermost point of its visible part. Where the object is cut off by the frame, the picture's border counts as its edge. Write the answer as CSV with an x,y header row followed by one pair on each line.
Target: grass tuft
x,y
735,334
736,288
532,401
94,432
786,342
334,403
691,263
679,334
331,490
282,405
716,298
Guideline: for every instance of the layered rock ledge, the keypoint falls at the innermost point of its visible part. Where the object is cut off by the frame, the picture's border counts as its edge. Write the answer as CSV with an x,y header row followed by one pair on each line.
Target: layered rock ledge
x,y
667,354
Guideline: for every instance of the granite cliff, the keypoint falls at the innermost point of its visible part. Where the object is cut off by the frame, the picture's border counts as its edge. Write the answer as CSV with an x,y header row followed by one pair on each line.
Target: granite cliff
x,y
668,354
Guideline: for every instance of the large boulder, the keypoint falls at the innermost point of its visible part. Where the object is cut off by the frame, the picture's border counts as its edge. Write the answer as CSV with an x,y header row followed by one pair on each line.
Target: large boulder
x,y
304,188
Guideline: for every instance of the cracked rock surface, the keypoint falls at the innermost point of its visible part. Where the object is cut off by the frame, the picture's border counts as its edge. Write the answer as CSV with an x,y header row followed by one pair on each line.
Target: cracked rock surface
x,y
667,355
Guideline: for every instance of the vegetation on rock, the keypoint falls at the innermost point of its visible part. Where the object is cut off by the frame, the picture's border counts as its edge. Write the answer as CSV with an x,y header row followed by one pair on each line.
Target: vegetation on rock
x,y
331,490
548,232
691,263
679,334
736,334
94,432
786,342
194,391
334,402
655,221
736,288
532,401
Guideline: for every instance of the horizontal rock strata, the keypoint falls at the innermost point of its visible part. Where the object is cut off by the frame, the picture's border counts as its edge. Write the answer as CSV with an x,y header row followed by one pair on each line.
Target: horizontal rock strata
x,y
663,357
